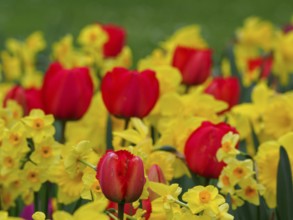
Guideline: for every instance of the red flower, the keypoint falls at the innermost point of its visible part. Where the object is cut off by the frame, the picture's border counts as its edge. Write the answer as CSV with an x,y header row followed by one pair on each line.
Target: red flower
x,y
121,176
130,93
225,89
263,63
202,146
27,98
67,93
194,64
155,174
116,40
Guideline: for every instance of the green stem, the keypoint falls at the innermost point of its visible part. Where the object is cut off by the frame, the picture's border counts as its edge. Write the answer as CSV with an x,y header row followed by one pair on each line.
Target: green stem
x,y
87,164
47,198
36,202
187,88
121,210
62,131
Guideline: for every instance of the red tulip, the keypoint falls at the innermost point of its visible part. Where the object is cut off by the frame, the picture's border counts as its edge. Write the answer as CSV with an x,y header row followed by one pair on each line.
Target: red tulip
x,y
155,174
130,93
121,176
263,63
28,99
116,40
194,64
67,93
202,146
225,89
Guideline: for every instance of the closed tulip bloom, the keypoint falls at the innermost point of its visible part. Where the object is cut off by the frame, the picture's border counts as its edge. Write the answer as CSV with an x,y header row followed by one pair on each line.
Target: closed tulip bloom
x,y
201,148
121,176
263,64
155,174
194,64
225,89
67,93
130,93
28,99
116,40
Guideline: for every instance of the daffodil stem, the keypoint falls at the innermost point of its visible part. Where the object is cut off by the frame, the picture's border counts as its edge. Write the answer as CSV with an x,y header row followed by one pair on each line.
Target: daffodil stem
x,y
111,215
87,164
121,210
180,203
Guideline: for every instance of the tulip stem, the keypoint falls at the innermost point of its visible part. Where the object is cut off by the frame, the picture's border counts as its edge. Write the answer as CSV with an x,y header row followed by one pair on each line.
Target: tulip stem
x,y
187,89
62,131
121,210
111,215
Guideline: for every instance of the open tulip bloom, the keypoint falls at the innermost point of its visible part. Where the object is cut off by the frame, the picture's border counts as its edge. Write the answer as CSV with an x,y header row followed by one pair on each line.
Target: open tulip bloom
x,y
183,136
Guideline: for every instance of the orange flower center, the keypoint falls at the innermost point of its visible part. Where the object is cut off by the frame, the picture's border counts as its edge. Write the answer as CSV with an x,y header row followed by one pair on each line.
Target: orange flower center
x,y
8,162
238,172
226,180
46,151
204,196
38,123
226,146
14,139
250,192
32,176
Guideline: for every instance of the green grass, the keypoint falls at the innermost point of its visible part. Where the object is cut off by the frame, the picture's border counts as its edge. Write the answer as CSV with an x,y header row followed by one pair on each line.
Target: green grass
x,y
147,22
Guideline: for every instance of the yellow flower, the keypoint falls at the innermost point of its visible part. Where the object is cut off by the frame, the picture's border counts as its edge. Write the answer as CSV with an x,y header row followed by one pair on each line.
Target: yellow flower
x,y
228,150
278,116
39,216
240,170
200,198
15,139
168,195
40,126
164,160
90,211
249,191
267,160
4,216
34,176
226,182
222,214
81,152
236,201
46,153
93,36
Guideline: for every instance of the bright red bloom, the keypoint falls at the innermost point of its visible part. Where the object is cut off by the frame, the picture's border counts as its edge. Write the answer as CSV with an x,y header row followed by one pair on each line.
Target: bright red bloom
x,y
225,89
202,146
28,99
121,176
67,93
130,93
194,64
263,63
116,40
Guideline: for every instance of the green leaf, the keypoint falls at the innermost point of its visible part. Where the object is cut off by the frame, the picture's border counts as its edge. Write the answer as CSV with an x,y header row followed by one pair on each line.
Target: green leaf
x,y
109,135
284,187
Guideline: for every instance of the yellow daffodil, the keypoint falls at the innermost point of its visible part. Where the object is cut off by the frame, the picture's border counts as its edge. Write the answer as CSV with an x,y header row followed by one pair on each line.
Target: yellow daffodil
x,y
228,150
200,198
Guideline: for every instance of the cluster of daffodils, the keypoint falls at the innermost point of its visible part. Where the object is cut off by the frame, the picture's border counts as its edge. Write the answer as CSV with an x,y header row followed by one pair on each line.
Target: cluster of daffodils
x,y
84,137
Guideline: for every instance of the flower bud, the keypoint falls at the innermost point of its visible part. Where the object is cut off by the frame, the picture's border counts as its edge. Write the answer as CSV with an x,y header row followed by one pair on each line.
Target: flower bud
x,y
225,89
28,99
116,40
67,93
155,174
262,64
130,93
121,176
194,64
201,148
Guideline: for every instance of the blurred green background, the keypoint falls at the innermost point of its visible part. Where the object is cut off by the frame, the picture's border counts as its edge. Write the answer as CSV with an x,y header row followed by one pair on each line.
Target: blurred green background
x,y
147,22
